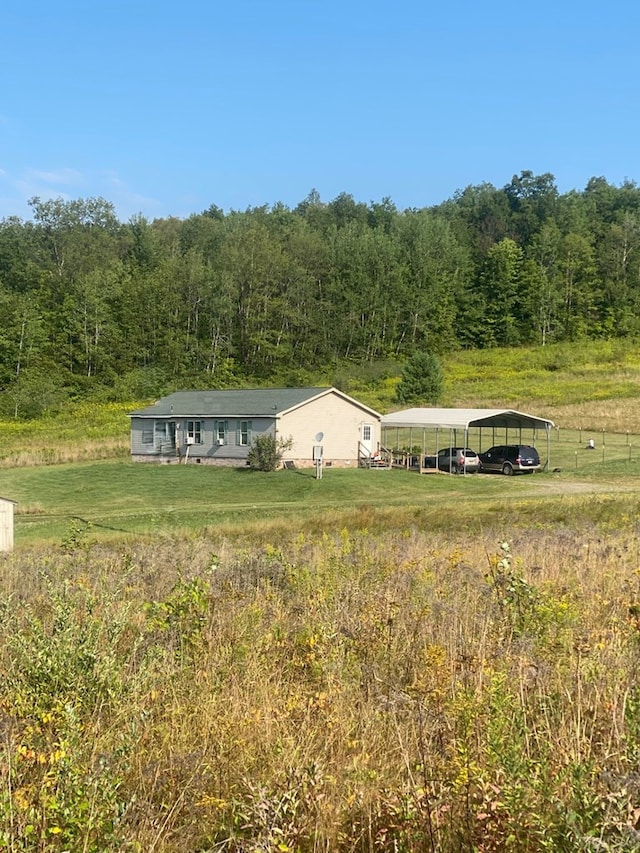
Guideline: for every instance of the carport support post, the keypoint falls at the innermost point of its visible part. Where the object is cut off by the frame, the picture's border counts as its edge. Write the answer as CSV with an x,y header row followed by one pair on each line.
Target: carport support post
x,y
452,443
466,443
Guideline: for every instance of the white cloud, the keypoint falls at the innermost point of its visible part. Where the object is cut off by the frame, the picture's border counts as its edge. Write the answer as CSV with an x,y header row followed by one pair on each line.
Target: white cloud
x,y
45,184
68,184
66,177
128,202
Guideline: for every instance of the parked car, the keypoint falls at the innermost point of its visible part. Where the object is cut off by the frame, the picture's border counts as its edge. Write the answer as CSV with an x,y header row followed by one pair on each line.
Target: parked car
x,y
510,459
458,460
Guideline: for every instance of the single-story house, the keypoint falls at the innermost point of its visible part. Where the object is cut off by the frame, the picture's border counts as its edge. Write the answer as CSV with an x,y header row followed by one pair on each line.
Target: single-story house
x,y
219,427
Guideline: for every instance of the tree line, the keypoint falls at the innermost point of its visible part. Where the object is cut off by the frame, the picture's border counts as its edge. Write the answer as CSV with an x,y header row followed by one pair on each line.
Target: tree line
x,y
274,294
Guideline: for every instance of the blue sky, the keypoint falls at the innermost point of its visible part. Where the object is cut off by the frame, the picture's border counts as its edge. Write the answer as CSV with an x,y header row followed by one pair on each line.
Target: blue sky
x,y
165,108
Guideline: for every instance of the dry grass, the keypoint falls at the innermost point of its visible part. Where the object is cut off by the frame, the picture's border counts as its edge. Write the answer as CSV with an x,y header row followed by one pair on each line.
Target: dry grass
x,y
65,452
617,416
349,692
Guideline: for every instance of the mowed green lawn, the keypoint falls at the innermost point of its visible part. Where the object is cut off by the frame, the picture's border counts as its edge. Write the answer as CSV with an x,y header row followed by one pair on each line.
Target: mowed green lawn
x,y
147,497
119,497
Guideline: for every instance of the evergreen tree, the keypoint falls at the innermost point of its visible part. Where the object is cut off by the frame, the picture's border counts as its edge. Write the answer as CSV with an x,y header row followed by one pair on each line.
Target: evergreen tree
x,y
422,380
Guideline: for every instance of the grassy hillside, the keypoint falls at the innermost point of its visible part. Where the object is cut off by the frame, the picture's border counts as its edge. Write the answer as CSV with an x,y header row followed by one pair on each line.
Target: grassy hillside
x,y
594,386
567,383
80,431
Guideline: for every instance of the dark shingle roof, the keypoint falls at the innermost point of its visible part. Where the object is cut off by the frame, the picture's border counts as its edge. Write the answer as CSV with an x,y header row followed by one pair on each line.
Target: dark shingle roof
x,y
261,402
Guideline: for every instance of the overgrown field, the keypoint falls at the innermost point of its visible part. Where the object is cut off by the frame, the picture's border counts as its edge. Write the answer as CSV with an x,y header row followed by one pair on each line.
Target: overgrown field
x,y
353,691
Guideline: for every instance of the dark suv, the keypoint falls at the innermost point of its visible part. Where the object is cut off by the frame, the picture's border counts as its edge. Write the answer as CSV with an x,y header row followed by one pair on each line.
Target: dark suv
x,y
510,459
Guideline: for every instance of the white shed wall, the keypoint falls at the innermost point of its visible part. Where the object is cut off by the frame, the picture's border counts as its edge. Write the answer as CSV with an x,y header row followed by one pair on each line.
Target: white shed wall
x,y
6,525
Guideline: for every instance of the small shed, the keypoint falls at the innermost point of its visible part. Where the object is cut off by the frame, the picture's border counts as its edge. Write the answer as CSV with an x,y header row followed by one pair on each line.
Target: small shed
x,y
6,524
497,426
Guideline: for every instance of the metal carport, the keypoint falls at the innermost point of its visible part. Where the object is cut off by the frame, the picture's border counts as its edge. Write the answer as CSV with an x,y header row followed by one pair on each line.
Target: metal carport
x,y
461,421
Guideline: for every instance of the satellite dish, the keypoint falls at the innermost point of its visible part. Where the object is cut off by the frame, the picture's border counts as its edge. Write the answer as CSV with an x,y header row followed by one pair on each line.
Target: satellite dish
x,y
319,436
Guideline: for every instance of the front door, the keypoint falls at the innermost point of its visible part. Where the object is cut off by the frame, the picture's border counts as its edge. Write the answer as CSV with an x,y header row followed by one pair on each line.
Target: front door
x,y
367,439
165,436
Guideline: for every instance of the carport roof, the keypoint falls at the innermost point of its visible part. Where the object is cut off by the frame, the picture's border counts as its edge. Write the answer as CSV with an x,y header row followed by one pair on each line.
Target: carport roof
x,y
464,418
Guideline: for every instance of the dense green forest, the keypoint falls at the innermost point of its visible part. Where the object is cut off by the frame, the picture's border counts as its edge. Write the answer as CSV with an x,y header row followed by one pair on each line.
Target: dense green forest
x,y
91,305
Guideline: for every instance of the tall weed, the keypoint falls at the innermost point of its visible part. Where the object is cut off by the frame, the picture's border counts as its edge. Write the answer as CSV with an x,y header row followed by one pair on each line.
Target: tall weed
x,y
396,691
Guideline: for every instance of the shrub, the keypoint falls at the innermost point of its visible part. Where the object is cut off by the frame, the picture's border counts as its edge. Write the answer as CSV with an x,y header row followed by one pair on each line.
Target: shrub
x,y
266,452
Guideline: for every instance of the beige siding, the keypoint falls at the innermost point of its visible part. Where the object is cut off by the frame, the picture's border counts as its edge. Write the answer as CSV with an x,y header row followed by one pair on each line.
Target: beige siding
x,y
341,422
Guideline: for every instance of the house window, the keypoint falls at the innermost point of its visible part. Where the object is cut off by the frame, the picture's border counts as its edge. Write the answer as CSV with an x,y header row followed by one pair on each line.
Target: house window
x,y
244,433
221,432
194,432
147,436
366,432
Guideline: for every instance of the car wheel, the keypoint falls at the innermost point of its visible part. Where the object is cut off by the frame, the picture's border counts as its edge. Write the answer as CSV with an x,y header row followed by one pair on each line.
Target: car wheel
x,y
507,469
